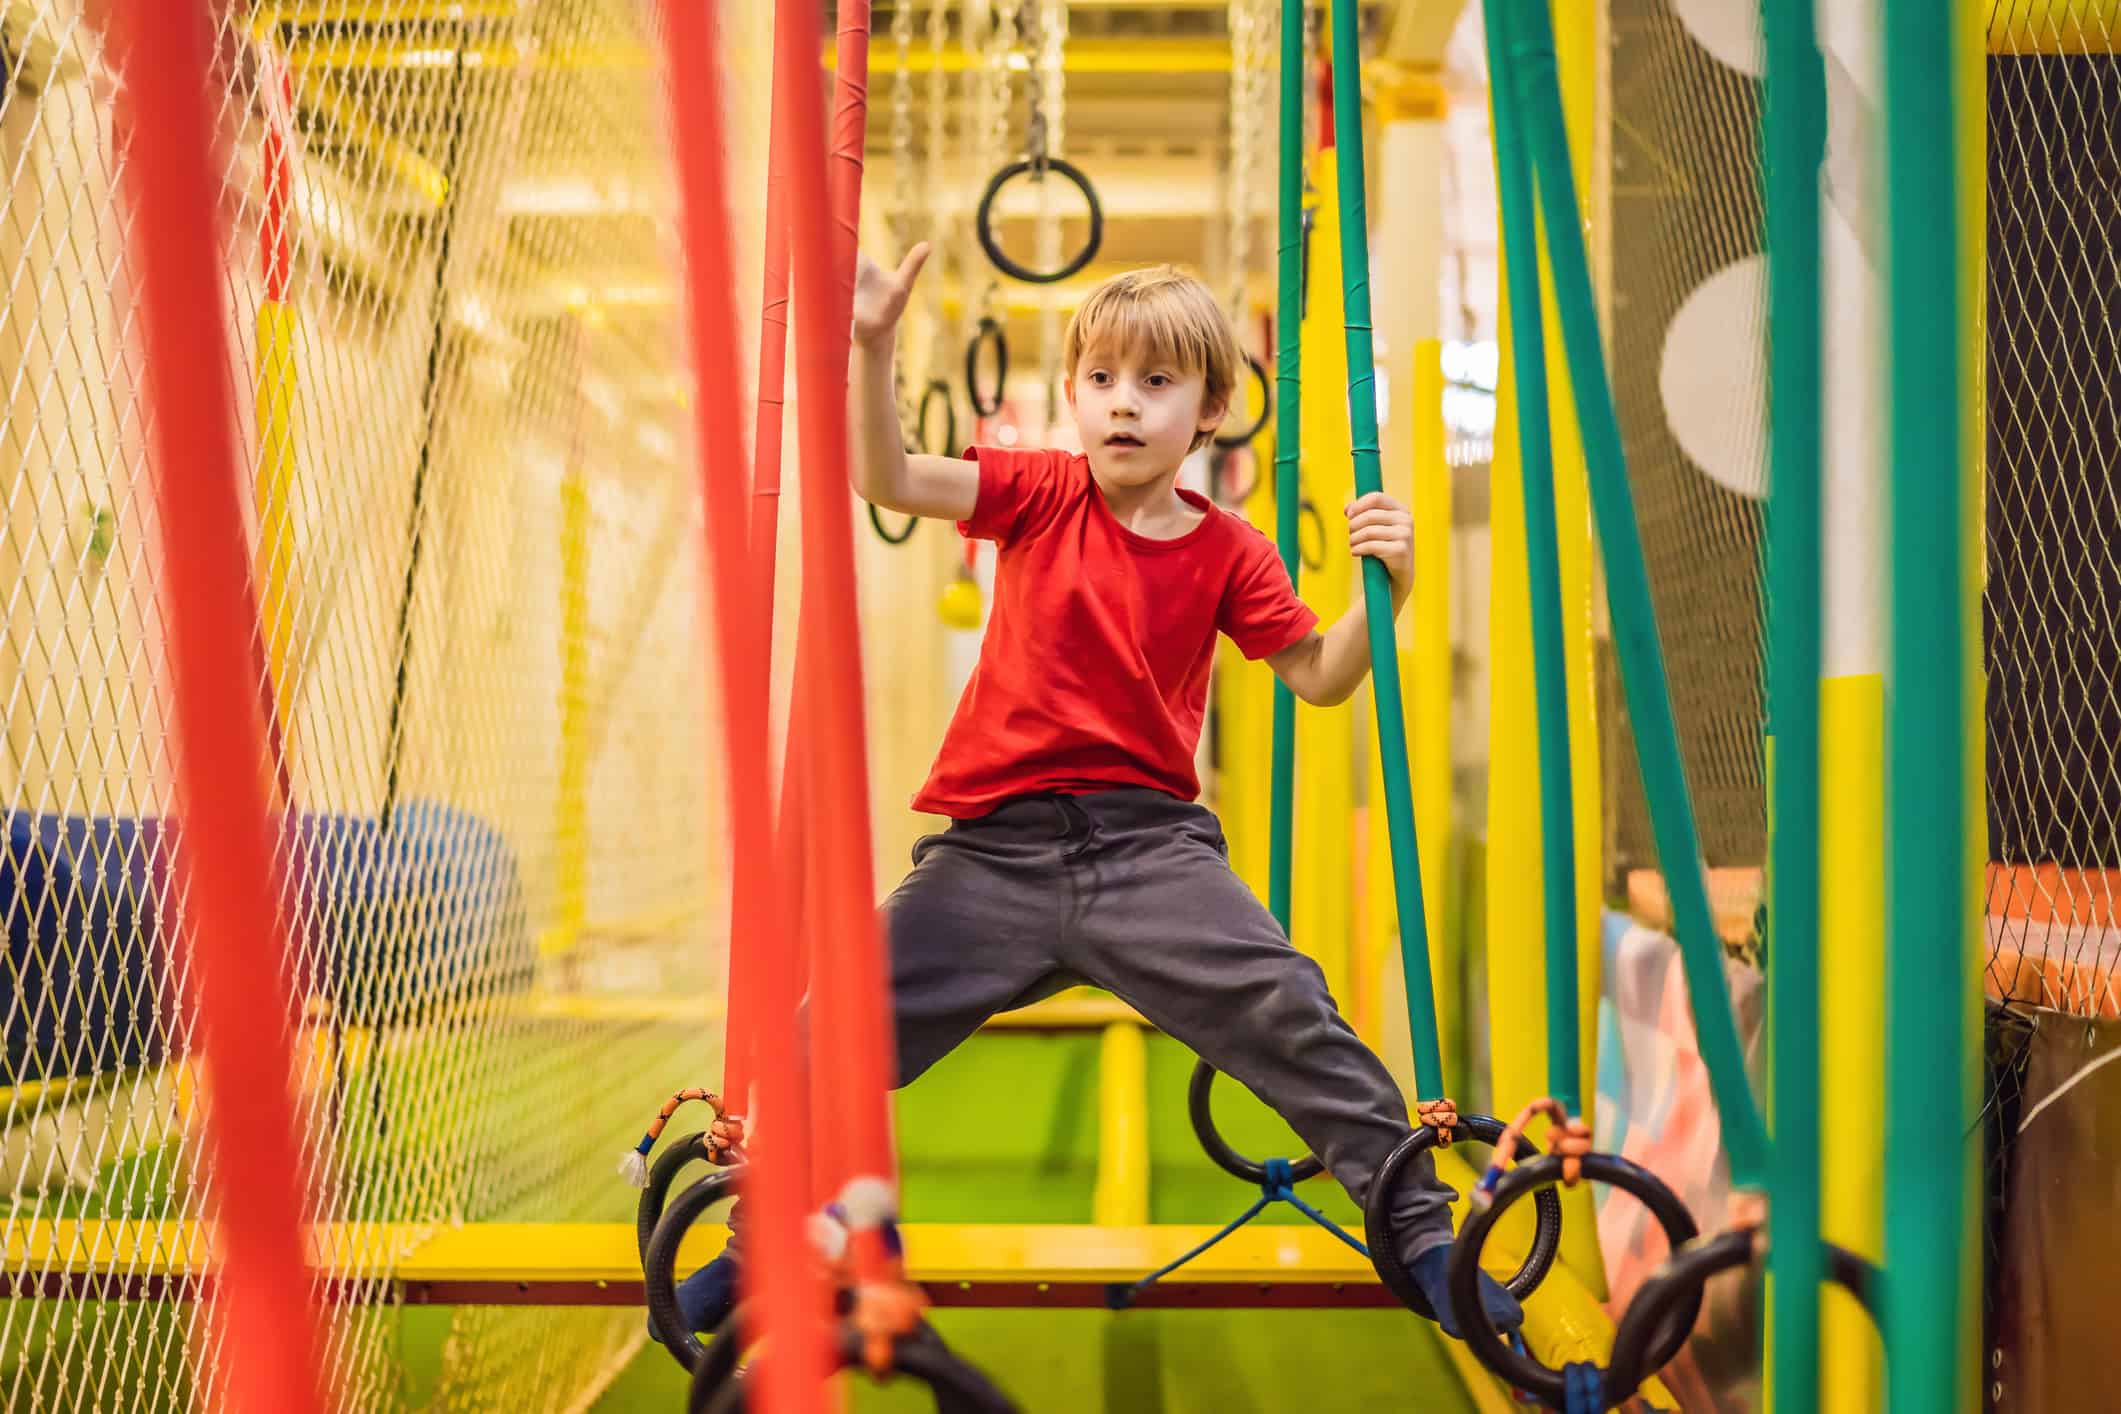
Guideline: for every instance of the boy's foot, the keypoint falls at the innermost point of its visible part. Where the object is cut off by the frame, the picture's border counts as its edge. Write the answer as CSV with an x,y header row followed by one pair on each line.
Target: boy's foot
x,y
706,1297
1431,1273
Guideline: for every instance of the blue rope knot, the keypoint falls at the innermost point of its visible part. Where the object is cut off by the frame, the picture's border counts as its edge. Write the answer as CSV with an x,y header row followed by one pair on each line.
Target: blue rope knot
x,y
1583,1388
1280,1183
1277,1186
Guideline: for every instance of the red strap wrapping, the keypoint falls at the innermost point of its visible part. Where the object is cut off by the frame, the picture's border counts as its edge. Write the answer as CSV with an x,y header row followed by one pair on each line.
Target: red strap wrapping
x,y
848,998
271,1326
780,1271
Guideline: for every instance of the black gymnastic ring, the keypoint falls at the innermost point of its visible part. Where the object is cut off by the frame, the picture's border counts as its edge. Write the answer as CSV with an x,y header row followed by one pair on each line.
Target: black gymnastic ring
x,y
929,1361
1380,1236
983,223
888,536
692,1149
1266,408
1307,510
1226,1158
990,331
1540,1175
937,388
1652,1319
659,1267
1688,1271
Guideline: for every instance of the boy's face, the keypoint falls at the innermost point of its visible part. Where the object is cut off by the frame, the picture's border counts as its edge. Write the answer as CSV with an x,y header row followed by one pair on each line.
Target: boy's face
x,y
1137,416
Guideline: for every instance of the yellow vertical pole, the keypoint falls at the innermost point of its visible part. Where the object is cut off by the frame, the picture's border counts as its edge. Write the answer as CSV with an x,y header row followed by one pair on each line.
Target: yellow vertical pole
x,y
274,488
1970,111
1425,669
1321,908
570,833
1244,714
1515,911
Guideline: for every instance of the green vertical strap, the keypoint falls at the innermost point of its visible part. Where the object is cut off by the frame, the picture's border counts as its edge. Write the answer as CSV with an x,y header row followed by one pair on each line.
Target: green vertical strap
x,y
1641,658
1376,583
1792,142
1557,803
1927,888
1288,434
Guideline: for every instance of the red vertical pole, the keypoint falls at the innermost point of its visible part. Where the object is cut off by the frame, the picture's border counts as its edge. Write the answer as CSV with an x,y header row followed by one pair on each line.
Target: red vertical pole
x,y
782,1271
849,1004
224,856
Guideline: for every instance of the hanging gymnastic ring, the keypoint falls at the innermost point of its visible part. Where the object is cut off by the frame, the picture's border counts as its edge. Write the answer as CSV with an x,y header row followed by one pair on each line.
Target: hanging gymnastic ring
x,y
1380,1230
649,1211
885,534
990,332
1211,1139
921,1356
937,388
1540,1175
984,222
1651,1320
1307,512
659,1267
1653,1317
1266,408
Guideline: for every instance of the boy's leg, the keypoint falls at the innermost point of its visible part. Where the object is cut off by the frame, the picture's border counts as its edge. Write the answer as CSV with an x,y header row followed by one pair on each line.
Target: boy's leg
x,y
1167,925
971,932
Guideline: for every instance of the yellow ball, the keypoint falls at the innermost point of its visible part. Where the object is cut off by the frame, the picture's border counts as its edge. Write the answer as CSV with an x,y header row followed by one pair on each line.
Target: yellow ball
x,y
960,604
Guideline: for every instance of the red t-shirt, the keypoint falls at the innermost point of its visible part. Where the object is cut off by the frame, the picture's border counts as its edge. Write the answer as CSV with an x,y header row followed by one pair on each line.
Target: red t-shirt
x,y
1094,671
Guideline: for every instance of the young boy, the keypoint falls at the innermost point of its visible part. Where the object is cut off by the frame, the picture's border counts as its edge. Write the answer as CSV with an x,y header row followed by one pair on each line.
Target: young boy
x,y
1075,852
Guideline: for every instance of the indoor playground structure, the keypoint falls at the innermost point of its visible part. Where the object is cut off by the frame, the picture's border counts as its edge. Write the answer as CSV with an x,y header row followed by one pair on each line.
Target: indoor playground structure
x,y
458,723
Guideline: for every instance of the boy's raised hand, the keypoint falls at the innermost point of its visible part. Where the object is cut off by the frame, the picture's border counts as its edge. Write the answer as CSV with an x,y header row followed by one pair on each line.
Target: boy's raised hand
x,y
880,296
1382,527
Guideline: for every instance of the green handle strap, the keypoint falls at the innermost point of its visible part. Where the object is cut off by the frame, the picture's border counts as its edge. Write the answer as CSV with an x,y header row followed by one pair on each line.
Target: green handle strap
x,y
1376,584
1557,805
1288,433
1928,891
1641,658
1792,141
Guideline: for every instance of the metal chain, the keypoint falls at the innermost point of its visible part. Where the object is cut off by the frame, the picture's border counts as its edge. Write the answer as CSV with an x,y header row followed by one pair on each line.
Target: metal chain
x,y
1048,135
903,187
1001,47
941,175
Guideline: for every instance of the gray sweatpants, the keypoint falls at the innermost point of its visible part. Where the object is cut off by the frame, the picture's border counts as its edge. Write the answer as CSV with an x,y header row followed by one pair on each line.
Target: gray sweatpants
x,y
1132,890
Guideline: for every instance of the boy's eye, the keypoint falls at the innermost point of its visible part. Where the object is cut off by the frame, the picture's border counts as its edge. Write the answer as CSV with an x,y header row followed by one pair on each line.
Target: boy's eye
x,y
1158,380
1100,378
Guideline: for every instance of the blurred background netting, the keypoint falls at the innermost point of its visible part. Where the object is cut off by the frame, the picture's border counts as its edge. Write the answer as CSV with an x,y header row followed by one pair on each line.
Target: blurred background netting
x,y
1687,356
453,287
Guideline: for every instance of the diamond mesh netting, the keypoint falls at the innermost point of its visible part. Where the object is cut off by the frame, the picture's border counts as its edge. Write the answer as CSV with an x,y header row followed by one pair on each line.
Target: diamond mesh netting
x,y
454,300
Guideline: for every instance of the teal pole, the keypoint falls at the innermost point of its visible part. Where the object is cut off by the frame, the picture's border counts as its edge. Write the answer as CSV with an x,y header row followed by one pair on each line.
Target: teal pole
x,y
1641,657
1557,804
1376,583
1288,436
1792,140
1927,889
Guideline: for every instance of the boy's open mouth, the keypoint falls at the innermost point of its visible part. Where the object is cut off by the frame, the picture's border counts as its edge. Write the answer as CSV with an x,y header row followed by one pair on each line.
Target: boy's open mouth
x,y
1123,439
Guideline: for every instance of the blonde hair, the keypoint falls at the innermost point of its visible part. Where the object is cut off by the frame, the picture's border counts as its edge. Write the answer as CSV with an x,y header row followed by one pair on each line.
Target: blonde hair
x,y
1162,312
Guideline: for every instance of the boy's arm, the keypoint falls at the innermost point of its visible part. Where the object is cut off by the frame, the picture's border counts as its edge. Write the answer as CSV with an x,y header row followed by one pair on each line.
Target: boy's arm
x,y
1324,669
878,465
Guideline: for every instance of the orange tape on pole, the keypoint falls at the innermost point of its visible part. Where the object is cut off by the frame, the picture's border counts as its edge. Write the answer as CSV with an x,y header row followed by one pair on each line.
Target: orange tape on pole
x,y
782,1272
848,1001
271,1327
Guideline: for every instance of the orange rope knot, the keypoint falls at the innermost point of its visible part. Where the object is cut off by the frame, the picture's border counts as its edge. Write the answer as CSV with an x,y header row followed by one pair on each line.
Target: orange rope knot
x,y
725,1139
1441,1116
633,1164
886,1312
1571,1142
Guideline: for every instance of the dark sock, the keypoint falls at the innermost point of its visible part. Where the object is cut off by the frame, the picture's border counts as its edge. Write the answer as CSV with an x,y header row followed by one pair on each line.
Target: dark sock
x,y
1431,1273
